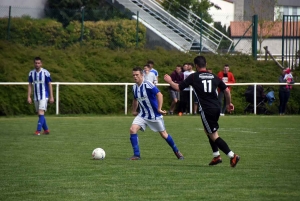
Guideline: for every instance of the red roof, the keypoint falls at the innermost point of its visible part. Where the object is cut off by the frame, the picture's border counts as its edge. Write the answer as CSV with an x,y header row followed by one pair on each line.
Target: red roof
x,y
270,29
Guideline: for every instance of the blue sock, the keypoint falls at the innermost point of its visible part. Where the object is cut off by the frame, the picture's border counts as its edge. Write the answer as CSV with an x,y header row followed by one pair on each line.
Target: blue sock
x,y
40,122
171,143
45,126
135,144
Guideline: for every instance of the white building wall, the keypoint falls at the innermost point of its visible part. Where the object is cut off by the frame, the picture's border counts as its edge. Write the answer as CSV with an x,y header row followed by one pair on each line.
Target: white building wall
x,y
274,46
32,8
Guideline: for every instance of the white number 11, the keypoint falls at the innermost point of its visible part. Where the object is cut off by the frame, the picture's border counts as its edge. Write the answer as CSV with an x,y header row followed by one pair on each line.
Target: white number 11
x,y
207,84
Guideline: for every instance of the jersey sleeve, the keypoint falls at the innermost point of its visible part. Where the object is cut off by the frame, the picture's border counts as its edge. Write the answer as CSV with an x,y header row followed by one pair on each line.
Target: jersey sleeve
x,y
30,77
222,86
47,77
186,82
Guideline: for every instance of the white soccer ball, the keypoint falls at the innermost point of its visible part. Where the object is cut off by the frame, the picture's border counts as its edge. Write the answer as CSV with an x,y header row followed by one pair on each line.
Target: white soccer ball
x,y
98,154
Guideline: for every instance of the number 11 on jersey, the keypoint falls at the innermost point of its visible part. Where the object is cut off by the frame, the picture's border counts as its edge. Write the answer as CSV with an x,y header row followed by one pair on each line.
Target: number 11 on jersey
x,y
207,85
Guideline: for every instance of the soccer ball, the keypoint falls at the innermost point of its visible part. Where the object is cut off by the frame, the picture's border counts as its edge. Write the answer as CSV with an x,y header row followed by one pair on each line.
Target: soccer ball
x,y
98,154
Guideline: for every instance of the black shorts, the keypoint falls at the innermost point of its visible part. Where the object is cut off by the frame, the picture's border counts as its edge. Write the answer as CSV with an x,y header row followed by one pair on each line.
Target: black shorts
x,y
210,118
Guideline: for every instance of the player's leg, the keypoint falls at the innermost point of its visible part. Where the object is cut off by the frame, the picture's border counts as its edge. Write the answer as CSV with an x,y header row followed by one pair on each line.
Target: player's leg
x,y
40,108
45,126
210,121
174,101
137,124
159,126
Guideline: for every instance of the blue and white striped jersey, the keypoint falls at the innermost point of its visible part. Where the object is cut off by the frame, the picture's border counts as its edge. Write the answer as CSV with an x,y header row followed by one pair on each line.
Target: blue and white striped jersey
x,y
145,94
40,81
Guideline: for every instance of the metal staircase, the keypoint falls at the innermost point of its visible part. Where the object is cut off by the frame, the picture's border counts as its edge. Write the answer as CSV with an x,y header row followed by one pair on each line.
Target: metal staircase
x,y
186,31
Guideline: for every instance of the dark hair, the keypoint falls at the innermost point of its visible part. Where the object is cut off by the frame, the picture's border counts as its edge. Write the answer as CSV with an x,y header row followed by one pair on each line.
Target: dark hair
x,y
200,61
146,65
150,62
179,66
37,58
191,64
137,68
226,65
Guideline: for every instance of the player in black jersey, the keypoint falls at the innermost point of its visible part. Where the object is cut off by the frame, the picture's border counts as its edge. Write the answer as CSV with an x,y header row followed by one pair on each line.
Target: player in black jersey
x,y
205,85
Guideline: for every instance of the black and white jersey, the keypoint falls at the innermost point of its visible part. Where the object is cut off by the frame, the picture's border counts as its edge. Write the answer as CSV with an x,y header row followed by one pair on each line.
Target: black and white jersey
x,y
205,85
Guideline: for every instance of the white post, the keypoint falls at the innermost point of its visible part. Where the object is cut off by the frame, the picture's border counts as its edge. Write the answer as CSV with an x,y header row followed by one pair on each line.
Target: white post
x,y
126,88
191,100
57,98
254,105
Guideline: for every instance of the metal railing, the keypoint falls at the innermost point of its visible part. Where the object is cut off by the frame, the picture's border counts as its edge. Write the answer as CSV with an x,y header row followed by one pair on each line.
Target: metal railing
x,y
57,84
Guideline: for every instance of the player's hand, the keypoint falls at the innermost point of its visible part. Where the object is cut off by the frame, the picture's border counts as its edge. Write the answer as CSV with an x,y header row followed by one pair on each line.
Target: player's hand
x,y
29,100
51,100
163,112
134,113
167,78
230,107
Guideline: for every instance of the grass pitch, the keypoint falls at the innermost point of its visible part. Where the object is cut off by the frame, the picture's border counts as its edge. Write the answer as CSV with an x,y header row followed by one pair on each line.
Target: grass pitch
x,y
59,166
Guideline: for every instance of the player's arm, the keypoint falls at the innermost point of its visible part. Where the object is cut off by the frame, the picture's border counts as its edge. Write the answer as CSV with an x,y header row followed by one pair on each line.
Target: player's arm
x,y
29,93
174,85
159,97
229,105
51,92
134,107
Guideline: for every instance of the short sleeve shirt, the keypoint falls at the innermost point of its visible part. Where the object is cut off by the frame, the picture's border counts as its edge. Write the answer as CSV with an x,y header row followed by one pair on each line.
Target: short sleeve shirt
x,y
204,85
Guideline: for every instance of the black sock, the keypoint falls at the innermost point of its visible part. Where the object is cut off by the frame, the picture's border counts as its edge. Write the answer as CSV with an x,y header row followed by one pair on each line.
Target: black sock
x,y
222,145
213,145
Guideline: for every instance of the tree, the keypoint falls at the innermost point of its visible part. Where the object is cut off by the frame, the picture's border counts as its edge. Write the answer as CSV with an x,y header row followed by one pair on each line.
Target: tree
x,y
265,11
66,11
178,8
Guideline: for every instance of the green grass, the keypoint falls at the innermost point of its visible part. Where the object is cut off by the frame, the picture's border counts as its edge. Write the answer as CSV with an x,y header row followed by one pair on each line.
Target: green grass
x,y
60,166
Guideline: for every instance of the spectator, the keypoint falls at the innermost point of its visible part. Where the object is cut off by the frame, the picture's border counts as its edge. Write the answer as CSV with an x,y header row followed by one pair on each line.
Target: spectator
x,y
149,76
226,77
177,77
151,65
284,92
186,92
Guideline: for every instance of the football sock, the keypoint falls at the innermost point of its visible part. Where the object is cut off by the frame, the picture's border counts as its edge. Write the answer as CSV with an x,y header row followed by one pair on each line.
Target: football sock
x,y
135,144
171,143
222,145
40,122
213,145
45,126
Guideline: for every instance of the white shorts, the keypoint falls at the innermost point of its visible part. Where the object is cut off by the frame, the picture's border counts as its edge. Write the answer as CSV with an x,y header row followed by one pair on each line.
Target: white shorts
x,y
41,105
157,125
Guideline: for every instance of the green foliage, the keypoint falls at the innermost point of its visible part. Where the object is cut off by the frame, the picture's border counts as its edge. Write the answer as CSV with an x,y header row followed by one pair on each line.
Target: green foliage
x,y
66,11
46,32
91,63
176,8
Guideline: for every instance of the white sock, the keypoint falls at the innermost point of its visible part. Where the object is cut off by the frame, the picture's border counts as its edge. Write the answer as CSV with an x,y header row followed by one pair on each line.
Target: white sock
x,y
216,154
230,154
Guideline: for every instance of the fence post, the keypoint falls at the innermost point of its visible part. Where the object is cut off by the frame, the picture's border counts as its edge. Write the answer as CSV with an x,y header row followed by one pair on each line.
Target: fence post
x,y
200,32
8,25
137,29
254,36
82,24
57,98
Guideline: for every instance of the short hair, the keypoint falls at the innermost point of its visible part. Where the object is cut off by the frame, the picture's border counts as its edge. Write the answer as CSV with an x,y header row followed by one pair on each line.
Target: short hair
x,y
37,58
200,61
146,65
150,62
178,66
137,68
226,65
191,64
